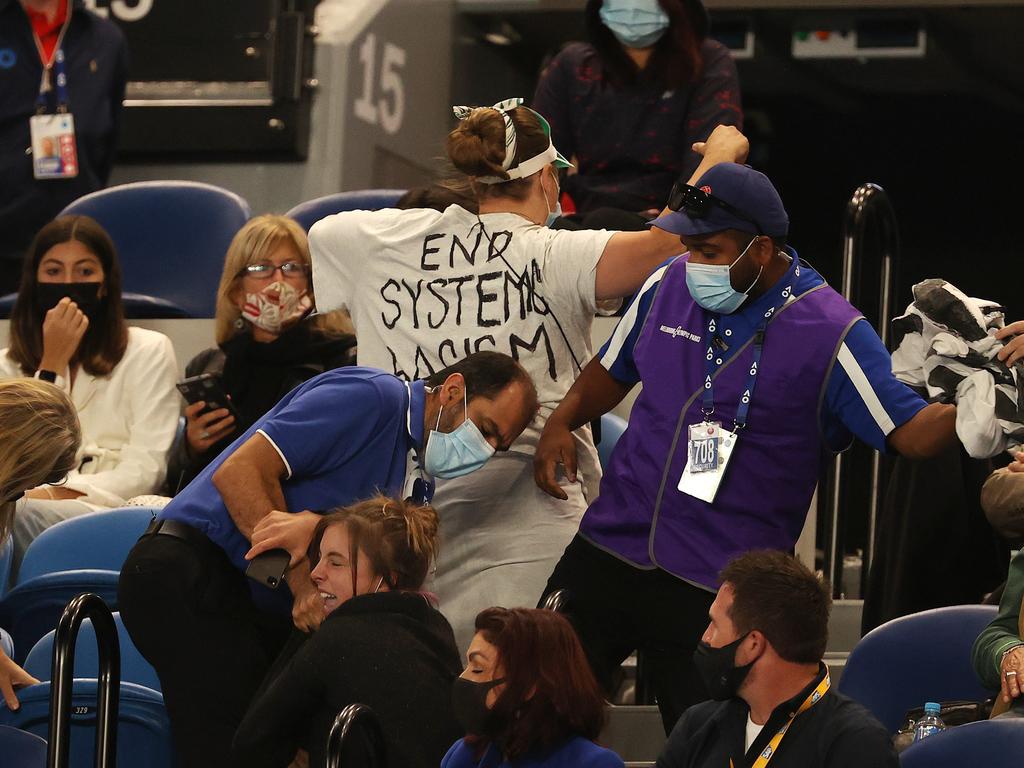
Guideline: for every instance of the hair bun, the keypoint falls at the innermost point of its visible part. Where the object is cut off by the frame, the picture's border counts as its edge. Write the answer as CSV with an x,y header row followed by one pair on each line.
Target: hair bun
x,y
477,144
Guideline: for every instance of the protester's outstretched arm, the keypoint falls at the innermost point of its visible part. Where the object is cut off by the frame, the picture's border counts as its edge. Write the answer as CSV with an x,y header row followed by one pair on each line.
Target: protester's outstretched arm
x,y
629,257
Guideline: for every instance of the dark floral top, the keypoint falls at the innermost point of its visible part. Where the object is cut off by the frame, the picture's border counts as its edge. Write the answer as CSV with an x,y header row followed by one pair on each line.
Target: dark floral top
x,y
632,143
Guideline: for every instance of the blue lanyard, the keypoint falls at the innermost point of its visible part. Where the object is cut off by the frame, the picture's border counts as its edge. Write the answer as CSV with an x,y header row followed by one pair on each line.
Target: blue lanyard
x,y
60,81
712,362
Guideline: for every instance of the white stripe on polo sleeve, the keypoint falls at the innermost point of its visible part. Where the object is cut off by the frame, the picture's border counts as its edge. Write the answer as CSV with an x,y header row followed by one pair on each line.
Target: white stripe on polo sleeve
x,y
287,466
629,320
865,390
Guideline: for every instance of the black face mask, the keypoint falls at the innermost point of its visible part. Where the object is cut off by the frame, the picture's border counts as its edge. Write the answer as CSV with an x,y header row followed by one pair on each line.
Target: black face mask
x,y
85,295
469,701
717,667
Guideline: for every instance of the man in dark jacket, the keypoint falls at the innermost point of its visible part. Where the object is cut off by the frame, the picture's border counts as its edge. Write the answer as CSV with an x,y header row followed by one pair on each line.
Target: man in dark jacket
x,y
96,67
761,660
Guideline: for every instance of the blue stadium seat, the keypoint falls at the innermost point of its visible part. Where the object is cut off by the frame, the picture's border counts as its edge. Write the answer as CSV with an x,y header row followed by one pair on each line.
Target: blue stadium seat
x,y
83,554
171,237
913,659
311,211
991,743
6,643
612,427
143,730
134,668
21,749
100,540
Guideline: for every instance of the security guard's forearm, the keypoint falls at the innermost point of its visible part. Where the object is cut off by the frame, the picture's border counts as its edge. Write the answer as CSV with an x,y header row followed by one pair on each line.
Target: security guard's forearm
x,y
593,395
249,482
931,431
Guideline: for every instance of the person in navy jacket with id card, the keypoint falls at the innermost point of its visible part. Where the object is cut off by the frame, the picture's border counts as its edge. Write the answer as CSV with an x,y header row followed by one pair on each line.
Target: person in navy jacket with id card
x,y
64,64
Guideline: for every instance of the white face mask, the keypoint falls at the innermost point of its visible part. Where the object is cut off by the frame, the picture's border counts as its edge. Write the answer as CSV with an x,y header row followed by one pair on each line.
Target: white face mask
x,y
275,306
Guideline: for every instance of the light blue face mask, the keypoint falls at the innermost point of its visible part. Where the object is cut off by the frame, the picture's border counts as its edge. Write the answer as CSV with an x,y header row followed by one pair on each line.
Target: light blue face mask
x,y
556,214
456,453
711,287
635,23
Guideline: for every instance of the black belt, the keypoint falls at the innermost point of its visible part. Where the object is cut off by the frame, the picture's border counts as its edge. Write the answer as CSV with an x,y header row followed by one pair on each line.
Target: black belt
x,y
176,529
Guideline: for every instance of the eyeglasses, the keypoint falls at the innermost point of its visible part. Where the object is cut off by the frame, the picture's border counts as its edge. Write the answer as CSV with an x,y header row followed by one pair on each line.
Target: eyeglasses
x,y
696,203
264,270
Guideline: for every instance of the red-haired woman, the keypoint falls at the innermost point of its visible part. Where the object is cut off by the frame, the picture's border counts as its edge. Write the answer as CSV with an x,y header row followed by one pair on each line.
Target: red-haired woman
x,y
630,103
527,697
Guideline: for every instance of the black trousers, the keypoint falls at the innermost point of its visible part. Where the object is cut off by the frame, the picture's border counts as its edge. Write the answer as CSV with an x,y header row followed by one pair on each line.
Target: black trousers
x,y
617,609
189,612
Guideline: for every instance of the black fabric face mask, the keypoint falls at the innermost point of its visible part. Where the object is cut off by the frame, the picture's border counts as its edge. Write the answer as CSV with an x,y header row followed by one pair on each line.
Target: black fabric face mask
x,y
469,702
85,295
717,667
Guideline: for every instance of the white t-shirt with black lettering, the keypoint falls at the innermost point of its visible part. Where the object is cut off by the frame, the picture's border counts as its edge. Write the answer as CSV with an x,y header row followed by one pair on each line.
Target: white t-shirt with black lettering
x,y
426,288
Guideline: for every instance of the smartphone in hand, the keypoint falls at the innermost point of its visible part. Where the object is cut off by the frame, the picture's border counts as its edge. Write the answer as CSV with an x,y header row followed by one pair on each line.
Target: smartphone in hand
x,y
207,387
268,568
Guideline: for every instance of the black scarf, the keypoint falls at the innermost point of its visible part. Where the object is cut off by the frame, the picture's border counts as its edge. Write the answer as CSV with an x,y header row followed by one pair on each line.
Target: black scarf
x,y
258,374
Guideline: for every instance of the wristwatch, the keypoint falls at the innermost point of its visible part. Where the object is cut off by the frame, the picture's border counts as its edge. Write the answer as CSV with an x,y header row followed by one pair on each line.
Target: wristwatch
x,y
44,375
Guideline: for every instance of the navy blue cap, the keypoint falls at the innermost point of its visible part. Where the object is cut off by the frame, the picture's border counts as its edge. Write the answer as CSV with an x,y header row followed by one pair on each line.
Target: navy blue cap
x,y
746,190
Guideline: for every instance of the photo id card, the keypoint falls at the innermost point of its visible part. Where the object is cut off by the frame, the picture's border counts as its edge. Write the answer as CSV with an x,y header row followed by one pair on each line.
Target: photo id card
x,y
703,446
703,483
53,146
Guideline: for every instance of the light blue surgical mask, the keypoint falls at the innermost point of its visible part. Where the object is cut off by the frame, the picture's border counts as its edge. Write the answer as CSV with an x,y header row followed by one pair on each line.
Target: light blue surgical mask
x,y
635,23
553,215
711,286
456,453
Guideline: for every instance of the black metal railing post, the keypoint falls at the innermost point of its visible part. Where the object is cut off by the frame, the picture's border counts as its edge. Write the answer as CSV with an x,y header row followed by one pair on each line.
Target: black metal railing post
x,y
346,723
557,601
82,607
869,207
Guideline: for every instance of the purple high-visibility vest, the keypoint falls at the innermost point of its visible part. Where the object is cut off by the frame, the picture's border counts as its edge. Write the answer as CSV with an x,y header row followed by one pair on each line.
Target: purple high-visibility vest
x,y
763,499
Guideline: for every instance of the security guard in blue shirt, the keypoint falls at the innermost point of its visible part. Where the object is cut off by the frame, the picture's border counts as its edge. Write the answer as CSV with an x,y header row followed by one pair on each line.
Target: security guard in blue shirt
x,y
342,436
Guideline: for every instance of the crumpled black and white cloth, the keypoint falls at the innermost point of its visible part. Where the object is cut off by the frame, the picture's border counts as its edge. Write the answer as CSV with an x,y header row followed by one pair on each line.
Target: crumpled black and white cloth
x,y
945,345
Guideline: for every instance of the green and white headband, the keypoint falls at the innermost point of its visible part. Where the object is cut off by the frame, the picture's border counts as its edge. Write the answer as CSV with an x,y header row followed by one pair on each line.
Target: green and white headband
x,y
529,166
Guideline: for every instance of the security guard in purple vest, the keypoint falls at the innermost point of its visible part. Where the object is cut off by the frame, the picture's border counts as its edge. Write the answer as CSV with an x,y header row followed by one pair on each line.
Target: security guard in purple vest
x,y
751,365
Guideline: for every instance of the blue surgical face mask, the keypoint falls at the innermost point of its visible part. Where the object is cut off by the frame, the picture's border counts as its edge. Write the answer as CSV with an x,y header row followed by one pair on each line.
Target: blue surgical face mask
x,y
711,286
635,23
553,215
456,453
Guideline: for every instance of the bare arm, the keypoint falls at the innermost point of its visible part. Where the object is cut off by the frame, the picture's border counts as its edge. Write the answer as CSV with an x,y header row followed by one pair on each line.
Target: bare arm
x,y
932,430
629,257
594,393
249,482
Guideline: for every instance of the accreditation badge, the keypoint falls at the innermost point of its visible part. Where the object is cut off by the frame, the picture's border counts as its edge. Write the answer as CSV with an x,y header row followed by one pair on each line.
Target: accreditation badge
x,y
709,450
54,155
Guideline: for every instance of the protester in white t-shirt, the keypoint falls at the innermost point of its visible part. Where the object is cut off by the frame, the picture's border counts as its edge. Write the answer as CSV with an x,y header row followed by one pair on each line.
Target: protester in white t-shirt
x,y
426,288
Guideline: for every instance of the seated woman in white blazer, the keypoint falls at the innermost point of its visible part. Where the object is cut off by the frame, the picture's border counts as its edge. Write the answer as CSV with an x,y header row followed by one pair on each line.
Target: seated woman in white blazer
x,y
68,327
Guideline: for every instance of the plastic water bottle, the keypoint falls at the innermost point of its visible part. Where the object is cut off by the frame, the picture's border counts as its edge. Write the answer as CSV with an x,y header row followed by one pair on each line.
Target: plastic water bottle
x,y
930,724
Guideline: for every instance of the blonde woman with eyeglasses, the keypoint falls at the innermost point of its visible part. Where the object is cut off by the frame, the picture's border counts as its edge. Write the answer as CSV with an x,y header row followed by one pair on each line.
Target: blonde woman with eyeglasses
x,y
41,440
267,342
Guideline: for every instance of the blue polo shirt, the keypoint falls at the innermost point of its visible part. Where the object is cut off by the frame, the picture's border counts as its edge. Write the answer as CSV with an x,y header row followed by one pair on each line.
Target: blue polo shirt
x,y
343,436
863,398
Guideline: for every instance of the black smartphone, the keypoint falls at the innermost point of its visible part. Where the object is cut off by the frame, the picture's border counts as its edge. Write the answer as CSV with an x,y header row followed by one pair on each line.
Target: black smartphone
x,y
268,568
207,387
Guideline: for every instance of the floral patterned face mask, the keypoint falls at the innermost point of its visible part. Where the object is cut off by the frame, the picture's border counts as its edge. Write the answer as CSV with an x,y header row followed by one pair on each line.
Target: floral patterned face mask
x,y
276,306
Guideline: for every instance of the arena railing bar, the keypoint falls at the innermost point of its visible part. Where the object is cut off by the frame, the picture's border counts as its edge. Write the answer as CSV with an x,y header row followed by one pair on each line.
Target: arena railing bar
x,y
350,720
85,606
869,208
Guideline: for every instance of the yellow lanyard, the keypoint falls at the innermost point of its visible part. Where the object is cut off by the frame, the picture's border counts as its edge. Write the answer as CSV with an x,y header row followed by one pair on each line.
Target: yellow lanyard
x,y
773,746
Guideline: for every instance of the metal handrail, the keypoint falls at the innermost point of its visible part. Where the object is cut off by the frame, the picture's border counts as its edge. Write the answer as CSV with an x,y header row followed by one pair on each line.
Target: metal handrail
x,y
868,206
558,601
84,606
347,719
